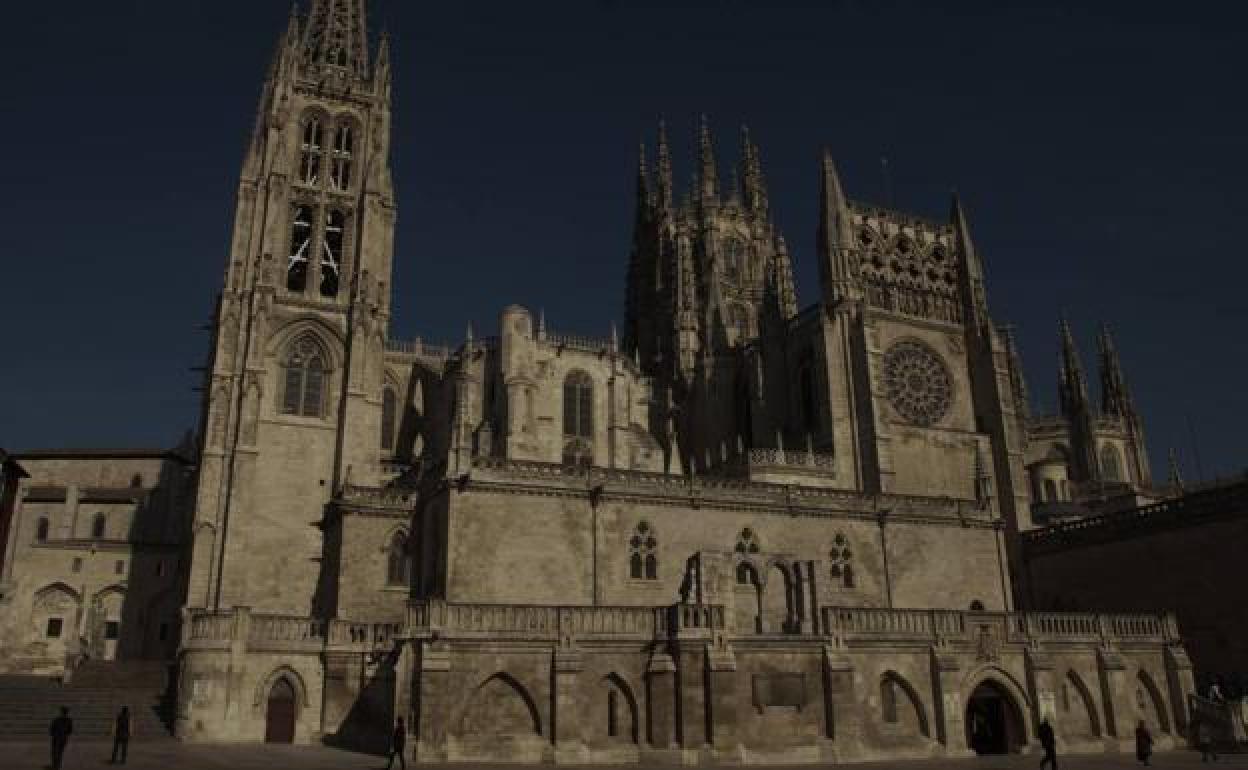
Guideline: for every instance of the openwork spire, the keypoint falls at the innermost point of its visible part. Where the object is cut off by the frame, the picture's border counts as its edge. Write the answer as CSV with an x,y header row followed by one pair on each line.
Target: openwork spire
x,y
1115,398
663,193
1072,386
337,36
708,176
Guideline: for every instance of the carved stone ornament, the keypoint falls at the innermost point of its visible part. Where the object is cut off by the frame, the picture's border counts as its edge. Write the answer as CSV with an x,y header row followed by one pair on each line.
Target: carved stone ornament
x,y
918,383
987,644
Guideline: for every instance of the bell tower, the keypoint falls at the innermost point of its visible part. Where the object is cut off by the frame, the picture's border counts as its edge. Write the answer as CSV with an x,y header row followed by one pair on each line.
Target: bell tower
x,y
295,369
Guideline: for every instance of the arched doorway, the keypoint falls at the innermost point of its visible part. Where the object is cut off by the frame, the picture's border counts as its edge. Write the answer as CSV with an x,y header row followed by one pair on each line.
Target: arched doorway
x,y
279,715
994,724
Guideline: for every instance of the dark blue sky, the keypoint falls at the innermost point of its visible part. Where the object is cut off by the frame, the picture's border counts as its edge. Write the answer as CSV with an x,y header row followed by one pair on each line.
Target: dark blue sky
x,y
1101,154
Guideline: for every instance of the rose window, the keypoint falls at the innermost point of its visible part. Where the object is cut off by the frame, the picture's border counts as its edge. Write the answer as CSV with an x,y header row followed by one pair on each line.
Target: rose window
x,y
919,385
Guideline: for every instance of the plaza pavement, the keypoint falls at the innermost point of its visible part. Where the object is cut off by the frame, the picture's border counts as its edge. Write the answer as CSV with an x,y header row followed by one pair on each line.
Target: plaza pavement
x,y
170,755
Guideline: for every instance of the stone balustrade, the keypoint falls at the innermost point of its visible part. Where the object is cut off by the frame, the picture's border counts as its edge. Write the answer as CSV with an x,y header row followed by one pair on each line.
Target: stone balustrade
x,y
553,623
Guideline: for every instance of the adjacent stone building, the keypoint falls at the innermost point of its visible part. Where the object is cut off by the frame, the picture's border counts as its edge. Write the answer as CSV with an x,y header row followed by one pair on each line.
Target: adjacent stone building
x,y
734,530
95,561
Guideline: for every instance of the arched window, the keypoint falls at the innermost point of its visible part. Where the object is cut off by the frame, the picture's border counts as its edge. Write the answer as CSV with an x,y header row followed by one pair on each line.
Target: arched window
x,y
888,699
747,542
643,559
1050,491
300,248
311,150
734,259
1111,463
303,390
389,407
344,151
331,254
841,558
578,419
99,525
41,530
398,563
746,574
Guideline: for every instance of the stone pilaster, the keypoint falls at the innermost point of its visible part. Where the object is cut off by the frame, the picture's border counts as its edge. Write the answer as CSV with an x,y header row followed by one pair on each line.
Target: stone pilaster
x,y
1181,684
661,701
431,692
842,714
1044,686
691,721
947,701
566,732
721,678
1116,695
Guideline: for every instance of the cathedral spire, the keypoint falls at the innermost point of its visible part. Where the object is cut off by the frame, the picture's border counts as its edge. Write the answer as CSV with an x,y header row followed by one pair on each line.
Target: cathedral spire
x,y
1072,386
663,194
643,183
974,295
336,37
753,184
1115,397
835,237
708,177
1175,479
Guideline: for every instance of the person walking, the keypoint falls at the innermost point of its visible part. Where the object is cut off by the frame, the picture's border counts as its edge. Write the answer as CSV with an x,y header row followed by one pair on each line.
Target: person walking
x,y
1048,742
1215,693
1204,741
397,740
60,730
1143,743
122,728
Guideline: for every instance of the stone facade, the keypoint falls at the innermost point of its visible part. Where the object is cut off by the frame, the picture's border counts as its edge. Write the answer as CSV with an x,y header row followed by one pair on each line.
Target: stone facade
x,y
95,564
1181,554
737,530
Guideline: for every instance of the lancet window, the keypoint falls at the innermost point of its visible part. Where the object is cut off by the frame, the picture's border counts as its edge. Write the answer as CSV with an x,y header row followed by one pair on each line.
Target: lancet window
x,y
841,559
331,253
643,559
41,530
398,562
389,410
578,419
99,526
1111,463
343,155
311,152
300,248
304,374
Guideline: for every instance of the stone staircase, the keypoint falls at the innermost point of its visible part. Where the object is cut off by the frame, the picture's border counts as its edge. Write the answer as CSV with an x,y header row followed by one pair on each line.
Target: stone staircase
x,y
94,695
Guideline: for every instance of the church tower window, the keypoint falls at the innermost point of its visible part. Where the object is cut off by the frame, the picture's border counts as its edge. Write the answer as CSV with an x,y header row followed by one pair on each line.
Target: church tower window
x,y
331,257
99,525
1111,463
389,403
300,248
398,564
303,391
310,157
344,150
578,419
841,558
643,560
41,530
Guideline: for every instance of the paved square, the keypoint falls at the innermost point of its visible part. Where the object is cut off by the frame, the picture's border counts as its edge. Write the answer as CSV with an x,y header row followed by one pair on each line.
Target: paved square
x,y
171,755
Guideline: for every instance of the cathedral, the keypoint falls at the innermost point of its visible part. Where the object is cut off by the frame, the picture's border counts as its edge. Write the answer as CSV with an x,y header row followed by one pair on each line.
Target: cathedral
x,y
734,530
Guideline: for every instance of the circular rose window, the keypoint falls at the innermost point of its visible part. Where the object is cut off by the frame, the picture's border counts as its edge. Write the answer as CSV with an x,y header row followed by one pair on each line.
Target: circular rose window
x,y
919,385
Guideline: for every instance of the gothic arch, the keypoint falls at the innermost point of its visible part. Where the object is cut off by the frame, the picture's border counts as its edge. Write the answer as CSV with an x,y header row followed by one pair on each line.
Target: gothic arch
x,y
897,681
1155,700
292,677
508,688
61,587
1003,681
322,333
615,683
1074,681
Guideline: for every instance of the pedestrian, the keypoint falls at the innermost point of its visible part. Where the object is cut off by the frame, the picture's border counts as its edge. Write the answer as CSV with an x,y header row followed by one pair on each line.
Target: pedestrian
x,y
1204,741
1048,742
1143,743
1215,693
122,728
397,741
60,730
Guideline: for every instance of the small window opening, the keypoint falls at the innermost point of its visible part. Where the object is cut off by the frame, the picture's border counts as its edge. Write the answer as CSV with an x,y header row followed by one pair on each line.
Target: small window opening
x,y
76,566
98,526
112,630
41,531
119,568
54,628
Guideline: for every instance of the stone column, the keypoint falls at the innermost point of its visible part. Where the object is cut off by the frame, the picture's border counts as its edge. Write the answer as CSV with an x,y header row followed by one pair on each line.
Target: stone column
x,y
1182,685
661,701
842,713
1116,695
565,721
431,691
721,681
947,702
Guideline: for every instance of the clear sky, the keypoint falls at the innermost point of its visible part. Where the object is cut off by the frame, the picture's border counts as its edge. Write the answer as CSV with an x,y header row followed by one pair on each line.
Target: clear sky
x,y
1100,153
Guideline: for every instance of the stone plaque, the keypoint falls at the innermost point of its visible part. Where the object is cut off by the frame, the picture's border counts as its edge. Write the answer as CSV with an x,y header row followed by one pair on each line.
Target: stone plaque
x,y
779,690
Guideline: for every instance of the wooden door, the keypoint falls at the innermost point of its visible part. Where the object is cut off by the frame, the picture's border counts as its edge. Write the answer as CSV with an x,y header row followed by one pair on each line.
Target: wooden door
x,y
279,718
